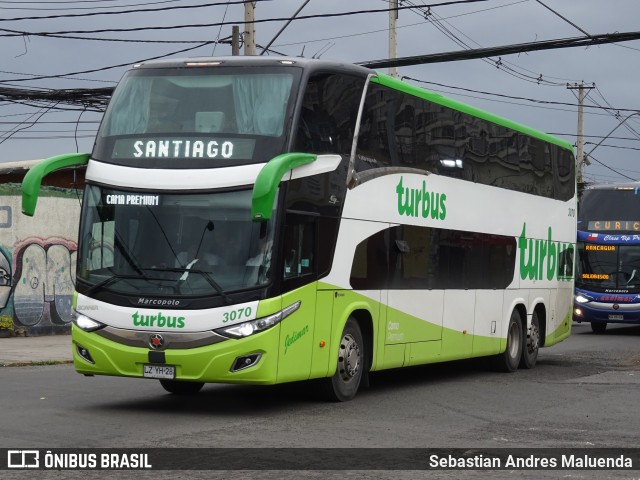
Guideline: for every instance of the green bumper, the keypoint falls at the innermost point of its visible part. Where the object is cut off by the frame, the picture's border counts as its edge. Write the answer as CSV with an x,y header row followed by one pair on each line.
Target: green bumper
x,y
211,363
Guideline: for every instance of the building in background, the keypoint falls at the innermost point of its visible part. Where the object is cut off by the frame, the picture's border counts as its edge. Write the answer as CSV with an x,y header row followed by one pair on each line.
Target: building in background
x,y
38,254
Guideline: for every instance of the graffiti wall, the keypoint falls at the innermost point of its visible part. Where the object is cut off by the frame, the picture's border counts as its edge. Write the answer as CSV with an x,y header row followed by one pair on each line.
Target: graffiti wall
x,y
38,260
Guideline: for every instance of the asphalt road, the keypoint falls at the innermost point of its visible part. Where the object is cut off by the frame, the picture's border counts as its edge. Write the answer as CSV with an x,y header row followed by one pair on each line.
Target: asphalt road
x,y
582,393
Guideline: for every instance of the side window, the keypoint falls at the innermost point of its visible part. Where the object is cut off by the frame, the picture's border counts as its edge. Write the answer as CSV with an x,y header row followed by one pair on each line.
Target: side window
x,y
101,246
408,257
299,246
374,137
370,269
564,173
328,116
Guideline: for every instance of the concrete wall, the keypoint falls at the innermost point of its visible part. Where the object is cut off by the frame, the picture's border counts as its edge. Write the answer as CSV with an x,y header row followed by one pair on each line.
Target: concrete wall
x,y
38,257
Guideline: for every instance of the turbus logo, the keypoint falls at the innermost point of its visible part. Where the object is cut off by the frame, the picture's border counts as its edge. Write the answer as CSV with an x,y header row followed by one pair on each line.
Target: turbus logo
x,y
540,259
419,202
158,320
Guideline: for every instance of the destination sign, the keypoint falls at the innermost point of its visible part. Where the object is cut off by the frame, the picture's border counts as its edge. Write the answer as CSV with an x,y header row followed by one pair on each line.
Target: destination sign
x,y
614,225
600,248
191,147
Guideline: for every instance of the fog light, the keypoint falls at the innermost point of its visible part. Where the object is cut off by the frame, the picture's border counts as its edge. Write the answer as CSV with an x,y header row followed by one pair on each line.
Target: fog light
x,y
84,353
245,361
577,312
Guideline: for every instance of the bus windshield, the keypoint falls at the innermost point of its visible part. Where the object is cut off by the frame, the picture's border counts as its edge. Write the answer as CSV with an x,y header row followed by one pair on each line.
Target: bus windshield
x,y
172,244
602,268
609,255
202,117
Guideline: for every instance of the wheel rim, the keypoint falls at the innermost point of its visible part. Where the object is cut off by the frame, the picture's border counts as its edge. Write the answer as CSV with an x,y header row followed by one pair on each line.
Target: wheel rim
x,y
534,340
514,340
349,359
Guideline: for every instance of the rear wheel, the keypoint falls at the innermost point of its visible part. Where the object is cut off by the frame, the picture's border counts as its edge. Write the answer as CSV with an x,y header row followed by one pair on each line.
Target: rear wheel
x,y
508,360
344,384
598,327
530,349
181,388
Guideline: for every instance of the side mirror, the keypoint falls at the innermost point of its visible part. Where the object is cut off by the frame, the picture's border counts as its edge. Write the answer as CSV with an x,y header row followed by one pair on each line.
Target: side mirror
x,y
264,191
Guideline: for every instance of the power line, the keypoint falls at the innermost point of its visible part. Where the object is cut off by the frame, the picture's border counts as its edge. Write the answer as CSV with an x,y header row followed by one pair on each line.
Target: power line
x,y
612,169
503,50
563,18
504,66
14,33
122,12
101,69
80,8
546,102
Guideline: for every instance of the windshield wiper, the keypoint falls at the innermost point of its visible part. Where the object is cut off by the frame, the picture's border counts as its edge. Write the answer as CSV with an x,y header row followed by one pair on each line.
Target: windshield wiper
x,y
216,286
114,278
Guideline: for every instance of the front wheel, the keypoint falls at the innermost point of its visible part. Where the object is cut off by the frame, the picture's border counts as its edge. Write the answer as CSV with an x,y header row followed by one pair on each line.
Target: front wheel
x,y
530,349
508,360
181,388
344,384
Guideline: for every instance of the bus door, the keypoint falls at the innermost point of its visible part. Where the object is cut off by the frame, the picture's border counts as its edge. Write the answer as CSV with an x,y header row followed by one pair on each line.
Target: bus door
x,y
299,273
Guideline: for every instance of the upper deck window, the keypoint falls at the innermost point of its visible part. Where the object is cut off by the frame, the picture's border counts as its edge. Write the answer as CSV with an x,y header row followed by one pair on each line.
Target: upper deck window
x,y
200,117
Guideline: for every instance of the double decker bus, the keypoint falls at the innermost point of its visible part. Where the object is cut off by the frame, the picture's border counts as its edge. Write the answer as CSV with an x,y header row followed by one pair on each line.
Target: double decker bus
x,y
608,264
267,220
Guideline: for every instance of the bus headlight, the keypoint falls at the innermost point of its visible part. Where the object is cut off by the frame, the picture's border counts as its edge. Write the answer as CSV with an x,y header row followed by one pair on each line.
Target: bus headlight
x,y
245,329
85,323
581,299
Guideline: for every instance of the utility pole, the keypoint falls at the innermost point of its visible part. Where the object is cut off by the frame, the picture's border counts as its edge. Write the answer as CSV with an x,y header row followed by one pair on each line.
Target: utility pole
x,y
393,18
581,160
249,28
235,40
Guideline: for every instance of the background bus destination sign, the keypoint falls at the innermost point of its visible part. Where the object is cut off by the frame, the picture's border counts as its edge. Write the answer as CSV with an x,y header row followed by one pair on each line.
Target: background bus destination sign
x,y
185,147
614,225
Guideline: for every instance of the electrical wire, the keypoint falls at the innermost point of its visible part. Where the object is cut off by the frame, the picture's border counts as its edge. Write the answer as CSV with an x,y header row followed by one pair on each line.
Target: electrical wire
x,y
501,95
102,69
14,33
123,12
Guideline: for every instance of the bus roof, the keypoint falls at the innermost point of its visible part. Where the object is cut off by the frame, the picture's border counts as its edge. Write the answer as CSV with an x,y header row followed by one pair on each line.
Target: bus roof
x,y
349,68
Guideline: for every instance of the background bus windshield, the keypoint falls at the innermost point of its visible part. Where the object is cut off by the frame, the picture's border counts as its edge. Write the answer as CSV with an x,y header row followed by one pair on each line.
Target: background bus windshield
x,y
610,258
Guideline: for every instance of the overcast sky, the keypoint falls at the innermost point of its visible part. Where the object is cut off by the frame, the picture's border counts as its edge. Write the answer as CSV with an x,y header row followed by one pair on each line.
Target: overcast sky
x,y
532,78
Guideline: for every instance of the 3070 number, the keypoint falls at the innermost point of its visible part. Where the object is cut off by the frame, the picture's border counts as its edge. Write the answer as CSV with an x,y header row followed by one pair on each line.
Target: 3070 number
x,y
238,314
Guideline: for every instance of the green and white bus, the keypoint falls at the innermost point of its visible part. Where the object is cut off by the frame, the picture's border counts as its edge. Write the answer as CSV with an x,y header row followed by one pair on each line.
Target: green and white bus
x,y
266,220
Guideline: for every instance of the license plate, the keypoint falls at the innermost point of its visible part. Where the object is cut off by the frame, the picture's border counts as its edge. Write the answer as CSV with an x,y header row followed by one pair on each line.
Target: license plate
x,y
159,371
616,317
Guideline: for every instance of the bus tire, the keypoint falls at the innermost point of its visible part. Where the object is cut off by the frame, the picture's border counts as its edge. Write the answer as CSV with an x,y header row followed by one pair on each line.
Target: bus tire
x,y
181,388
509,360
344,384
598,327
532,345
